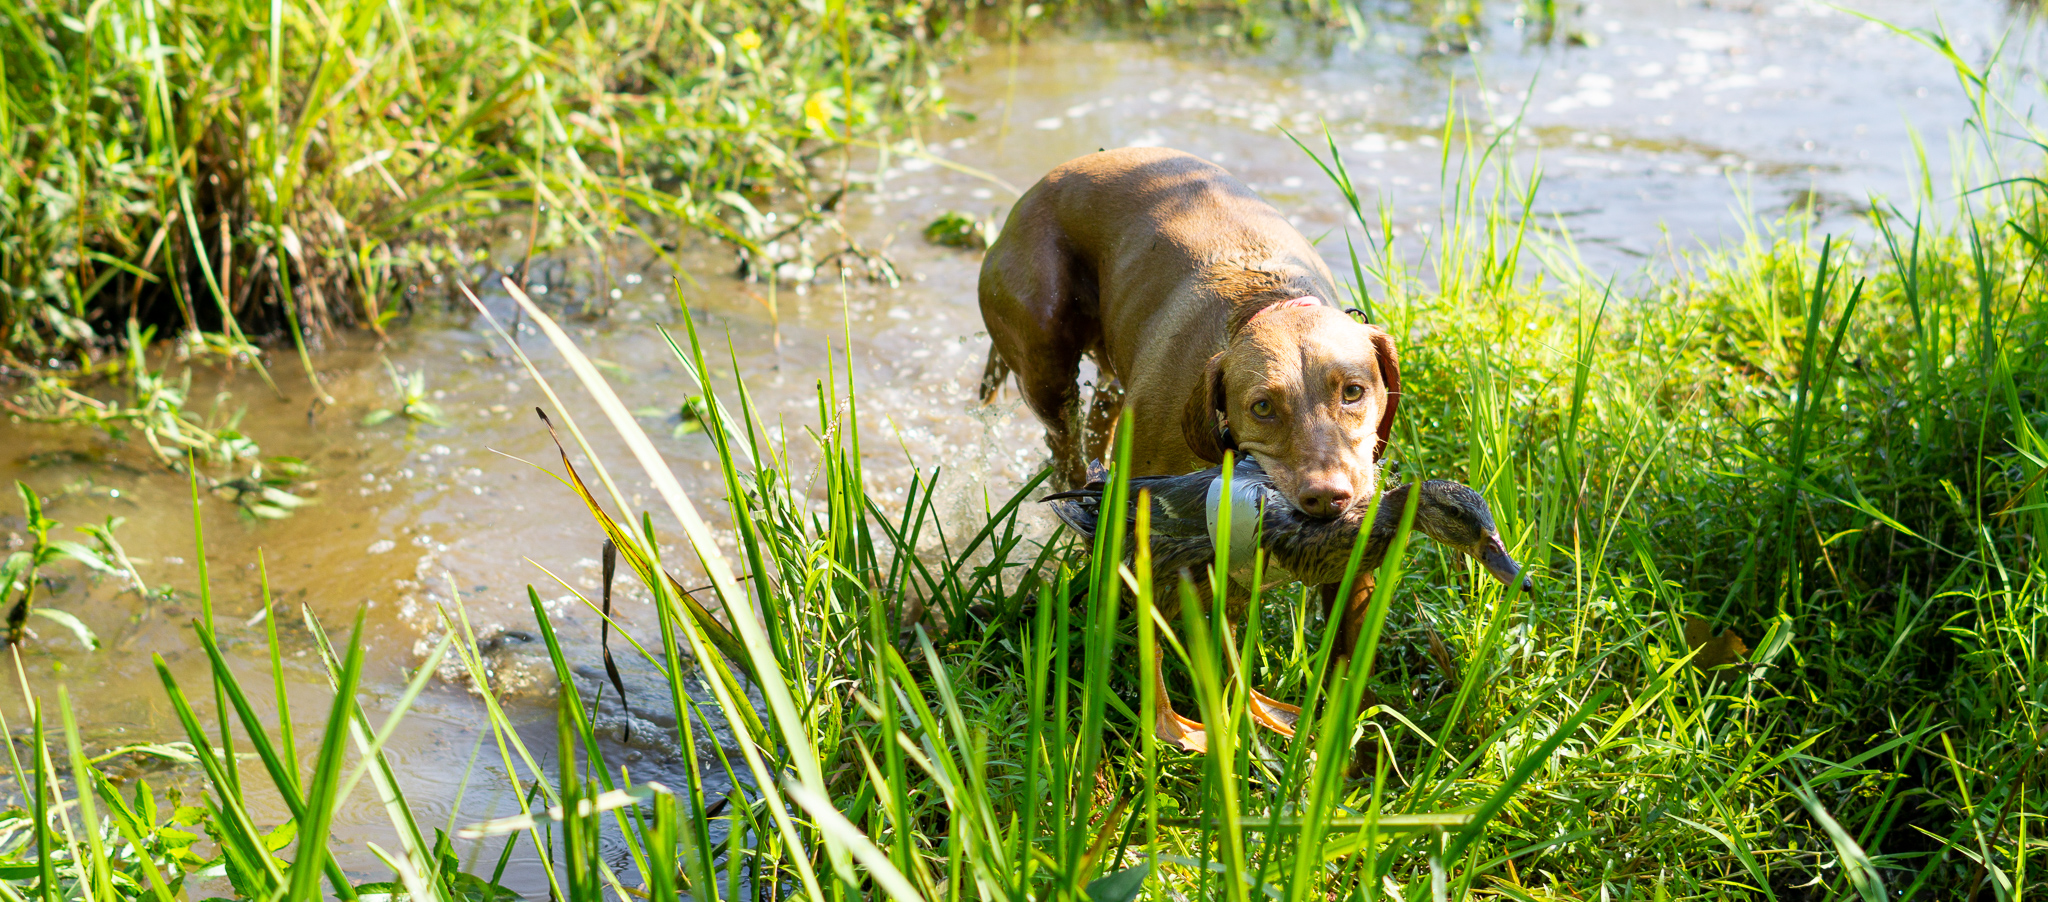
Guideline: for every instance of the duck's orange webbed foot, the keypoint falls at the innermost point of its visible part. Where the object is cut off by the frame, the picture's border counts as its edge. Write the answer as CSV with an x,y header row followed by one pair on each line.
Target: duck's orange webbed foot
x,y
1278,716
1183,733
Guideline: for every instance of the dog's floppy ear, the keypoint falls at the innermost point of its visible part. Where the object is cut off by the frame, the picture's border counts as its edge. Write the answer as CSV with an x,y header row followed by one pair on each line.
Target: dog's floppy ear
x,y
1390,373
1202,421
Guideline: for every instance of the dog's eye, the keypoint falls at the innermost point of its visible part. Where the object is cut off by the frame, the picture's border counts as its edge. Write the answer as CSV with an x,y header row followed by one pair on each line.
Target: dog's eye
x,y
1262,408
1353,392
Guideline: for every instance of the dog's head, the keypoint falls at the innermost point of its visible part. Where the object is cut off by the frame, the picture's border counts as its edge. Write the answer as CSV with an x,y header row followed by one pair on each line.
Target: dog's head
x,y
1308,392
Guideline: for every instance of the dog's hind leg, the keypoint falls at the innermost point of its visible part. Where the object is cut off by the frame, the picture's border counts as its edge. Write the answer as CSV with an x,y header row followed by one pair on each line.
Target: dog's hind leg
x,y
1038,301
1048,386
1046,373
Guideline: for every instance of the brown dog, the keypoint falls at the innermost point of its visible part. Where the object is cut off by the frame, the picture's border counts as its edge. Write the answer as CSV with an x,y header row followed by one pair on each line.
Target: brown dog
x,y
1213,324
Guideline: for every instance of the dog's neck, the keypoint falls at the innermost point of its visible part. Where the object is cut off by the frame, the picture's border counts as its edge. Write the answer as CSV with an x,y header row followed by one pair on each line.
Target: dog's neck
x,y
1284,299
1250,289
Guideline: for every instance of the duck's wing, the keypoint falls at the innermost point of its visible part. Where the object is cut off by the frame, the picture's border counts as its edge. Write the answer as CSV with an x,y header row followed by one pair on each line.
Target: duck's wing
x,y
1177,509
1176,502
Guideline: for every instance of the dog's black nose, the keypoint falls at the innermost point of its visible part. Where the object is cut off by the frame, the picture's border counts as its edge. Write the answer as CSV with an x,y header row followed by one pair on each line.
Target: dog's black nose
x,y
1322,501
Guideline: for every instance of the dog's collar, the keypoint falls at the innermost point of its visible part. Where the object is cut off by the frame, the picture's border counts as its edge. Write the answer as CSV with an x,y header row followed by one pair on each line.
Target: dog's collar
x,y
1306,301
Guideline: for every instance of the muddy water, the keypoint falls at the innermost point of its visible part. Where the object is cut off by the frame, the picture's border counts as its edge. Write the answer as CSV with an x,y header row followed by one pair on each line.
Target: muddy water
x,y
1650,138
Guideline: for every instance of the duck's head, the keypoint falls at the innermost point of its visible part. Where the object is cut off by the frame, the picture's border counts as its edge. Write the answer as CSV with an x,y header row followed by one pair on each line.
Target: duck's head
x,y
1455,515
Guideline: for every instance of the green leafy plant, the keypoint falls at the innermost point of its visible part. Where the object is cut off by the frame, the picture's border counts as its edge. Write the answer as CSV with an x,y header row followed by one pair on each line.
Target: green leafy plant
x,y
21,569
956,229
413,403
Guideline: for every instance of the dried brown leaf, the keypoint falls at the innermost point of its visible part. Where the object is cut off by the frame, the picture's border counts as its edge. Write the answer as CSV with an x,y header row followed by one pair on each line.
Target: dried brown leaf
x,y
1714,651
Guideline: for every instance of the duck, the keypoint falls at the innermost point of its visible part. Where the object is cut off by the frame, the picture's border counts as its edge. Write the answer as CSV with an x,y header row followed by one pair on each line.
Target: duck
x,y
1185,529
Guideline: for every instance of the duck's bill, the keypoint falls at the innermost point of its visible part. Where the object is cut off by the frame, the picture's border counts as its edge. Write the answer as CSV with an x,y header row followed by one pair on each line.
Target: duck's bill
x,y
1494,557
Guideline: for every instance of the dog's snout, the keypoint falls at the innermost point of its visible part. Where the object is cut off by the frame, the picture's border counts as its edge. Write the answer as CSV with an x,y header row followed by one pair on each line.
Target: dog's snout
x,y
1325,499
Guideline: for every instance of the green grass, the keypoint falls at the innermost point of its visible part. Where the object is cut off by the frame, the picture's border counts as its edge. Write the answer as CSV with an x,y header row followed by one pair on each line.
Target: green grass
x,y
193,163
1832,448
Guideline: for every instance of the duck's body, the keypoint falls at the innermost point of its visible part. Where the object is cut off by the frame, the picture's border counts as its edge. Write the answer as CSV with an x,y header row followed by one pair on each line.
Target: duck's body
x,y
1308,549
1186,524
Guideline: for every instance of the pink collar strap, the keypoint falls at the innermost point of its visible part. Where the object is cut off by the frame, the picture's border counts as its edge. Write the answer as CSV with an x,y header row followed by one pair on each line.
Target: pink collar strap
x,y
1309,301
